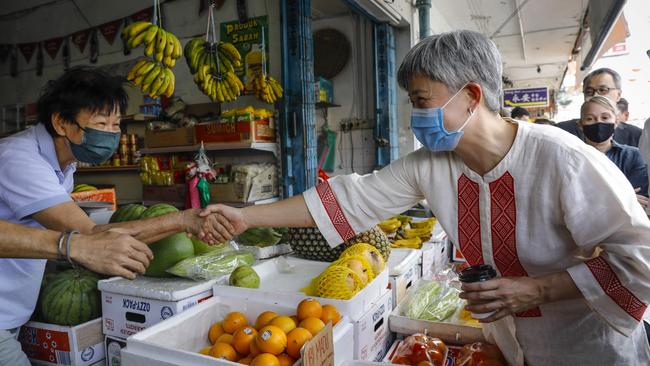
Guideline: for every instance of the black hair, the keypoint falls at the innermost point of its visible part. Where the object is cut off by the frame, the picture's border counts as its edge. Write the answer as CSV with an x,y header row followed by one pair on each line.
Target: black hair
x,y
80,88
519,112
544,121
622,105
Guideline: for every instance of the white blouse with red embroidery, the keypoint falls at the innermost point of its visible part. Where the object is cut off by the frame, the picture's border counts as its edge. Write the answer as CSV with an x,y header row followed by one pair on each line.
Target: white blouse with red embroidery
x,y
548,206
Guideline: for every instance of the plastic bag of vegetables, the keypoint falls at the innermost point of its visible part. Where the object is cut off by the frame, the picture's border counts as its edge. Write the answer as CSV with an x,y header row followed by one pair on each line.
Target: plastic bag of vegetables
x,y
212,265
433,301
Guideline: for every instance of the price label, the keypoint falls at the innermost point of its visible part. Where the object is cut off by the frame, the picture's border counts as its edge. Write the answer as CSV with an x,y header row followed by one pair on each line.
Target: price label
x,y
320,350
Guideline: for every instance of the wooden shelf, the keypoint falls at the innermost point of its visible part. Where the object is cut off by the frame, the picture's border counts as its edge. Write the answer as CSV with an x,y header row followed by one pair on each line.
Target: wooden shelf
x,y
138,117
109,169
215,146
232,204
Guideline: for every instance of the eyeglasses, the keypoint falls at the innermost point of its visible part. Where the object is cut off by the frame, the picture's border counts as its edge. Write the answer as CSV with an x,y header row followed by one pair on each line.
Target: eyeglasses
x,y
602,90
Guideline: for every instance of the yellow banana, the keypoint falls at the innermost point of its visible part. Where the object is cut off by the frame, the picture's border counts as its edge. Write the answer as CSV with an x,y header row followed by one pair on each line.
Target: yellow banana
x,y
170,44
172,82
155,86
230,50
151,34
178,48
134,29
151,77
161,41
139,38
133,72
151,47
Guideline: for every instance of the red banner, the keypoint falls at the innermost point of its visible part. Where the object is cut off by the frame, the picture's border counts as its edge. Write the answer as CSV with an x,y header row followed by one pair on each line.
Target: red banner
x,y
80,39
109,30
27,49
144,14
52,46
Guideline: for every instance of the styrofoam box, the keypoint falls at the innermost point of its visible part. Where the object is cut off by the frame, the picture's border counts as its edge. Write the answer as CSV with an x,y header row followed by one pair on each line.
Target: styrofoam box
x,y
282,278
371,333
434,258
268,252
404,271
178,340
113,349
49,344
131,306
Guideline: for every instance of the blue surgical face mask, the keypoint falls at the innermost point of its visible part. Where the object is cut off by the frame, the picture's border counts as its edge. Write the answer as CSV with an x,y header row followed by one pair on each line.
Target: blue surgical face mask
x,y
428,127
96,146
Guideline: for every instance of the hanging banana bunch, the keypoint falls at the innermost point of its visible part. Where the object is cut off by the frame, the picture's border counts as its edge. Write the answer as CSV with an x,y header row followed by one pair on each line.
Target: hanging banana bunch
x,y
266,88
153,74
213,65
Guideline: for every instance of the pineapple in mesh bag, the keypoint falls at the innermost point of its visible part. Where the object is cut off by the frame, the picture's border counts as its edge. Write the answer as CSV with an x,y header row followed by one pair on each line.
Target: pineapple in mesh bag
x,y
370,253
359,265
338,282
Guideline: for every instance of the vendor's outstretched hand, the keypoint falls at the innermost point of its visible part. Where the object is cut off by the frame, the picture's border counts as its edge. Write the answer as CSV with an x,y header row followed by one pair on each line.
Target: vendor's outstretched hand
x,y
222,223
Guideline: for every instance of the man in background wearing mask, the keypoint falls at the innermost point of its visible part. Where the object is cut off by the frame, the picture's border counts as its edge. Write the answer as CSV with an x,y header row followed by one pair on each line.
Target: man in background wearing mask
x,y
604,82
625,133
79,116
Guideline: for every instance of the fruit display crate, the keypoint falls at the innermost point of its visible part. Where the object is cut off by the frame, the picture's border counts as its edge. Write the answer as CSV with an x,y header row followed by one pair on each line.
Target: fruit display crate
x,y
178,340
404,271
282,278
271,251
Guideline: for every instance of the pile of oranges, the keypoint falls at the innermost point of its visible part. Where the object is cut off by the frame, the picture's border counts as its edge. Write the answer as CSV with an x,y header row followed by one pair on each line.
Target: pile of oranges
x,y
274,339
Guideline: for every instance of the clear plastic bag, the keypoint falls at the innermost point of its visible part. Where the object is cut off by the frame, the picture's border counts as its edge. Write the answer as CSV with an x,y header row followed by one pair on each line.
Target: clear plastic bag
x,y
420,349
434,301
213,264
480,354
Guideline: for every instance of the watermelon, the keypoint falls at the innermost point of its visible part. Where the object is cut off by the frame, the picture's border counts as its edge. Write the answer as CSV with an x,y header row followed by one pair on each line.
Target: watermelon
x,y
158,209
127,213
70,298
167,252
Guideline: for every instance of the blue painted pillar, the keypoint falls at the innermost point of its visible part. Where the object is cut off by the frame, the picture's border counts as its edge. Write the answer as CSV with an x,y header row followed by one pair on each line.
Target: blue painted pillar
x,y
386,126
297,126
424,10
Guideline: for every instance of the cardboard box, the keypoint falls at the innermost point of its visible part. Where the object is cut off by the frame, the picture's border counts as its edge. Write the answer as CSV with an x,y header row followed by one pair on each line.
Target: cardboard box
x,y
98,195
181,136
113,349
131,306
324,90
174,195
434,258
404,272
372,336
253,131
259,187
50,344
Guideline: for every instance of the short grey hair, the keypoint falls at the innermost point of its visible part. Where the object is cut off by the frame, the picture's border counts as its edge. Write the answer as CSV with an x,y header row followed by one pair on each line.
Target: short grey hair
x,y
454,59
617,78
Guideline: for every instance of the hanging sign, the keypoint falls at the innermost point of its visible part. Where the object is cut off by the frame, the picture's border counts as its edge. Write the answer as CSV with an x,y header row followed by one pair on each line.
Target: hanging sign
x,y
80,39
247,38
52,46
109,30
27,49
526,97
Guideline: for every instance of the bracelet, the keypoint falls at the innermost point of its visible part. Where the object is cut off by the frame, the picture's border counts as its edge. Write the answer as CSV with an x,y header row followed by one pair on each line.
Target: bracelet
x,y
67,247
60,255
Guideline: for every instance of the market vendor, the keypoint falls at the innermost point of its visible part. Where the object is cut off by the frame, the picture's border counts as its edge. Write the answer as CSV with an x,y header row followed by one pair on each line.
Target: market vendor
x,y
552,215
79,121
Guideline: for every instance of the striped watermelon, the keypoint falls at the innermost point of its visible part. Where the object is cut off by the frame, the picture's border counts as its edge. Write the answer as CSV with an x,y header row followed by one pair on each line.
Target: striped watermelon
x,y
128,213
70,298
158,209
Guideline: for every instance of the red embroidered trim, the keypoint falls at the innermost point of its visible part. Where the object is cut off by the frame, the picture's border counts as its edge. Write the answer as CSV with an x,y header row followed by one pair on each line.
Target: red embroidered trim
x,y
334,211
469,221
503,213
613,287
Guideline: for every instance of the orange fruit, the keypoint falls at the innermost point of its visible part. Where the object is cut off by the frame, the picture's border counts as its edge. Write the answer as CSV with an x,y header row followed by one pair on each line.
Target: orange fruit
x,y
309,308
243,338
313,325
265,359
286,360
271,339
295,319
205,351
330,313
264,319
225,338
223,350
233,322
255,350
246,360
216,330
284,322
296,339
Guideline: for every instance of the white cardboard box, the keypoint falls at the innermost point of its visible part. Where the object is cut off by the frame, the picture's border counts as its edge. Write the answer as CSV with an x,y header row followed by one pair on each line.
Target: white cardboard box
x,y
178,340
49,344
131,306
404,272
434,258
113,349
372,336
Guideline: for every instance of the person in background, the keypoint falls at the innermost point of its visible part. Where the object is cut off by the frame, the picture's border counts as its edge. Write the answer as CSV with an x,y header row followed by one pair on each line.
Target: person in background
x,y
544,121
597,122
644,147
625,133
604,82
520,114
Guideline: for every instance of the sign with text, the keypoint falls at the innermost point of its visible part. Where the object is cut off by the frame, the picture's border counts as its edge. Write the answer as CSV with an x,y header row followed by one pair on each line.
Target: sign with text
x,y
526,97
320,350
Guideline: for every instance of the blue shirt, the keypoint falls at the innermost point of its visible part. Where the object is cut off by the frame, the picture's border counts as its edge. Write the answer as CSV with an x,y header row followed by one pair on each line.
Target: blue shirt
x,y
32,181
629,160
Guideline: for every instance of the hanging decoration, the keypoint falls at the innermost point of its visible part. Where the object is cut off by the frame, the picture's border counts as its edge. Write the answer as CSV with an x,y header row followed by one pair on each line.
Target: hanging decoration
x,y
52,46
199,173
109,30
80,39
94,46
213,64
27,49
39,60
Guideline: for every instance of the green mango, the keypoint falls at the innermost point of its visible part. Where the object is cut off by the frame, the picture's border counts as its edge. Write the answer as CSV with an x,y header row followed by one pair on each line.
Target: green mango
x,y
167,252
244,276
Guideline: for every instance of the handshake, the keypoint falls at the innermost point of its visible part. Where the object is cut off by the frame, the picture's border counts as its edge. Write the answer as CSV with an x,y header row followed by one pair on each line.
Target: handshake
x,y
220,223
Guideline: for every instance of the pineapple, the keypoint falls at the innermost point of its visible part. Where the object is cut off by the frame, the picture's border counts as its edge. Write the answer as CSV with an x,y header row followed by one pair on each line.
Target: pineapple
x,y
309,243
375,237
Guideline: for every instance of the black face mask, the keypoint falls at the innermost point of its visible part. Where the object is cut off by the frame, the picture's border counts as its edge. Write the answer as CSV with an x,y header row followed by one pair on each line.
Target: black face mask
x,y
599,132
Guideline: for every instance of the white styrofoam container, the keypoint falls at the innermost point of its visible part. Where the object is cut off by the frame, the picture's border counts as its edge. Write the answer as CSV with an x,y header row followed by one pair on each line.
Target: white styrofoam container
x,y
372,336
178,340
267,252
131,306
282,278
113,349
404,271
434,259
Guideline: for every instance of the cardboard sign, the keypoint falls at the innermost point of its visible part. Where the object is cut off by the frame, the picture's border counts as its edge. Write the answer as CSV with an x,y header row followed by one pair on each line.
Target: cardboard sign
x,y
320,350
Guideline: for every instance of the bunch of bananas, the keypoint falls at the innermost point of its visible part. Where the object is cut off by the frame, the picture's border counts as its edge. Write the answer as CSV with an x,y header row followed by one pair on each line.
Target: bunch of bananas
x,y
266,88
153,78
83,188
163,46
213,66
